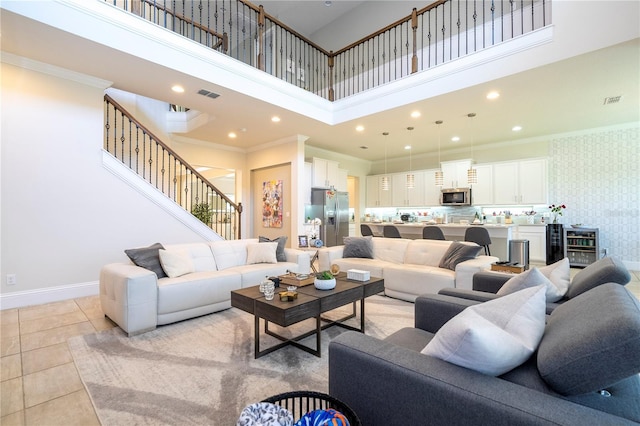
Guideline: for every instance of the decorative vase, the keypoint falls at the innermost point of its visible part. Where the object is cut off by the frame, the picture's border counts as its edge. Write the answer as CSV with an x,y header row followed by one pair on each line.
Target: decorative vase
x,y
555,218
325,284
531,220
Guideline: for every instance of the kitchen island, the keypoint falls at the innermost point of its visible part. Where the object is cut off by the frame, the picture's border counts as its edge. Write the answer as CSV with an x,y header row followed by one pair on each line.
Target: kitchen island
x,y
500,233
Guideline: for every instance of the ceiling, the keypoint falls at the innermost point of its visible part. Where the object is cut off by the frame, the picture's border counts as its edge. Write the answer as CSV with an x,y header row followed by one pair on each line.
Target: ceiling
x,y
561,97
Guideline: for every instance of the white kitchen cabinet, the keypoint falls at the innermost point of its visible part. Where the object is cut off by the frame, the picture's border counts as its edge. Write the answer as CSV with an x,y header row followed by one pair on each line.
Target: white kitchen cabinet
x,y
376,197
455,173
532,180
520,182
431,191
407,197
536,234
325,173
482,192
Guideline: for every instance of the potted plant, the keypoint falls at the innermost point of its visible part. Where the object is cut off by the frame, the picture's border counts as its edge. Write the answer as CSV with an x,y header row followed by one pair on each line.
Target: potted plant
x,y
325,281
203,212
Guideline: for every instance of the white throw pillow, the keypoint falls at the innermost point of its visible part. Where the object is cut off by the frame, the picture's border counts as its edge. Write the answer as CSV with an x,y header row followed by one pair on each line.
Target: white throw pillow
x,y
262,253
176,262
527,279
559,273
493,337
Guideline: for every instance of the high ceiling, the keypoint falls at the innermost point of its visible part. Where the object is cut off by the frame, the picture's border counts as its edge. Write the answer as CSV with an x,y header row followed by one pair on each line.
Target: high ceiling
x,y
564,96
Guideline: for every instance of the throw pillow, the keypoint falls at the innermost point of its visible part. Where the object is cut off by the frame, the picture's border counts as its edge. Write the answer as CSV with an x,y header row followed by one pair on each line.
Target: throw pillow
x,y
493,337
148,258
361,247
176,262
262,253
527,279
459,252
559,275
280,250
592,341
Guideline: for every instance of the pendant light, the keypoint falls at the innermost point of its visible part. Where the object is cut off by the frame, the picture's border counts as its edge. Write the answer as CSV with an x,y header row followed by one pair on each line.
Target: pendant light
x,y
472,175
384,182
411,178
439,174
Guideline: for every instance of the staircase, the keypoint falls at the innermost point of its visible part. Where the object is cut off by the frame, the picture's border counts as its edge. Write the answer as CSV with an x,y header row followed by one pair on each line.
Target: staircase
x,y
131,143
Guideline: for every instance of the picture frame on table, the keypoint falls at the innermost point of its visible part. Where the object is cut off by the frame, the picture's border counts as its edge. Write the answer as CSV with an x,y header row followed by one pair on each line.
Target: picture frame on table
x,y
302,241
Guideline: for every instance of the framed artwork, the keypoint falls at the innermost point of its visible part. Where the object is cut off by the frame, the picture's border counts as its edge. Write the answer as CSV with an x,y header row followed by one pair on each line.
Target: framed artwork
x,y
272,204
302,241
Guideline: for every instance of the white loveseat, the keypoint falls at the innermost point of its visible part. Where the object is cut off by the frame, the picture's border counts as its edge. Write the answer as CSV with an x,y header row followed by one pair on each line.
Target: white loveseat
x,y
409,267
135,299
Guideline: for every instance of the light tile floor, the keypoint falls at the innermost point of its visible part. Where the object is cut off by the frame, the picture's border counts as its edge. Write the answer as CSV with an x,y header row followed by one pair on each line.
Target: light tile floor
x,y
39,381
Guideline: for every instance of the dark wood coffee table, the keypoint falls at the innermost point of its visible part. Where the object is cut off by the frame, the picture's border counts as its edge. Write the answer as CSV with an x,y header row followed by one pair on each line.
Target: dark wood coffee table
x,y
311,303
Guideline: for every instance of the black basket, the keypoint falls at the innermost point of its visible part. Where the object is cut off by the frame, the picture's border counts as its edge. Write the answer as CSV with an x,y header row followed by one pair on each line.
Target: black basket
x,y
302,402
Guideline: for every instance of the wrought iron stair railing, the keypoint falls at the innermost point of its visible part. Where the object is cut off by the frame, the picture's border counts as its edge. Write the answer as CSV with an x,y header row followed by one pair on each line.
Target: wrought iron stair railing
x,y
139,149
440,32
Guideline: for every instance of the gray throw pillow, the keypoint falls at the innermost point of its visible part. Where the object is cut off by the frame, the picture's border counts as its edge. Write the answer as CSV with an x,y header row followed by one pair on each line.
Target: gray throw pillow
x,y
361,247
280,255
605,270
591,341
148,258
459,252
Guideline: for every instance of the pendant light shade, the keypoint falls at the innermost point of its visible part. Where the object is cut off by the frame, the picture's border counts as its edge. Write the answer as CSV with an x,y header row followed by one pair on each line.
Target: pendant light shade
x,y
384,182
472,175
411,178
439,174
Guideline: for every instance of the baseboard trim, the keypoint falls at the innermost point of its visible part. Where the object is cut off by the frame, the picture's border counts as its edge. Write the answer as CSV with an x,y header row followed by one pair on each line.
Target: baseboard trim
x,y
20,299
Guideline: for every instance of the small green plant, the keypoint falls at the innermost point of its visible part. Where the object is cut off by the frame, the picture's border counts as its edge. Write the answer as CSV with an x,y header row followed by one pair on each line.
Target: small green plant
x,y
203,212
325,275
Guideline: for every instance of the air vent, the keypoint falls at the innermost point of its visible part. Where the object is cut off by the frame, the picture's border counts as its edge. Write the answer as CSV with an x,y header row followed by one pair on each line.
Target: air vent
x,y
612,100
207,93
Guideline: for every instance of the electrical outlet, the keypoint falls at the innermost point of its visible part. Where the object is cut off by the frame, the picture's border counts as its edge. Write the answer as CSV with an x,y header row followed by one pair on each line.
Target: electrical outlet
x,y
12,279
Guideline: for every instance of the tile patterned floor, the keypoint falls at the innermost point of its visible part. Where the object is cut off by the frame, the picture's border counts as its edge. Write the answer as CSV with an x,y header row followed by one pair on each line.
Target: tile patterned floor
x,y
39,381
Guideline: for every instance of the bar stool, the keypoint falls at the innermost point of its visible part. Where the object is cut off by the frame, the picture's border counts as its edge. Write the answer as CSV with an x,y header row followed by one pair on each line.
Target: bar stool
x,y
390,231
365,230
431,232
480,236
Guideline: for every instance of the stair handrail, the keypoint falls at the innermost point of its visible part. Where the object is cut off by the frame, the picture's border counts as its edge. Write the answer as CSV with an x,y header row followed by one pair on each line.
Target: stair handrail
x,y
236,207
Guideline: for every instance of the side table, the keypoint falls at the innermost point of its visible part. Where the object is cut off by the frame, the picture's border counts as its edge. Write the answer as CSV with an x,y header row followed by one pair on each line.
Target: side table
x,y
313,253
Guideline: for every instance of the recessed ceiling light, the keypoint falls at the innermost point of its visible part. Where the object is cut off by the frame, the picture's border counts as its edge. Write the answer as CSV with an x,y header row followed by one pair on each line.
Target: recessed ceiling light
x,y
177,88
516,128
275,119
232,135
415,114
359,128
493,95
455,139
327,3
407,147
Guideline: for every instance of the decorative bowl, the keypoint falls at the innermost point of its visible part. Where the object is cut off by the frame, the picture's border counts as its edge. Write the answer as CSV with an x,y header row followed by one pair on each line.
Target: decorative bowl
x,y
325,284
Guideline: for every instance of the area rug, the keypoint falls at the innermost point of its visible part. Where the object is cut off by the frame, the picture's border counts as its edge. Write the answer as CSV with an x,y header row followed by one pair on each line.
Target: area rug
x,y
202,371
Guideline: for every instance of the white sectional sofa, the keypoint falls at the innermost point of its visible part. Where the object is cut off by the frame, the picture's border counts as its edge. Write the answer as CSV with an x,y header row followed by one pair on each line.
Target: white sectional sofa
x,y
409,267
135,299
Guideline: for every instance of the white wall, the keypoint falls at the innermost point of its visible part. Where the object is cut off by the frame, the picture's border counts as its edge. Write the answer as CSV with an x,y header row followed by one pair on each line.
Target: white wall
x,y
63,214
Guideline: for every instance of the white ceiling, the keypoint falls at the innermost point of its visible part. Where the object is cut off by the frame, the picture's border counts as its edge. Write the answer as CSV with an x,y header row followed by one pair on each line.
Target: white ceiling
x,y
564,96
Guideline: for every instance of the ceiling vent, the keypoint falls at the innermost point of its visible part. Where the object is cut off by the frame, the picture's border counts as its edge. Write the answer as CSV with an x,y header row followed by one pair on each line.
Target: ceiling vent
x,y
612,100
207,93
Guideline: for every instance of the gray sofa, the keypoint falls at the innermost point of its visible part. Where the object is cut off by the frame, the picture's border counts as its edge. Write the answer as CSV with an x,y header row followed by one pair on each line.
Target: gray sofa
x,y
588,355
486,283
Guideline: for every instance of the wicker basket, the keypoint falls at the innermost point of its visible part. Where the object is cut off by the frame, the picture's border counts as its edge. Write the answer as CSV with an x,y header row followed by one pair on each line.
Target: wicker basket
x,y
302,402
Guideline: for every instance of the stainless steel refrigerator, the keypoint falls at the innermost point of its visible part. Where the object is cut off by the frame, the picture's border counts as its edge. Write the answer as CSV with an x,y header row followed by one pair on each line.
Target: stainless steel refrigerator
x,y
332,207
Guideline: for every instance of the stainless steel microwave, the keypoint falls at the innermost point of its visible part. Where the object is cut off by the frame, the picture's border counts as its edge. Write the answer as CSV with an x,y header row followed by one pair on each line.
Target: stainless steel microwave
x,y
455,197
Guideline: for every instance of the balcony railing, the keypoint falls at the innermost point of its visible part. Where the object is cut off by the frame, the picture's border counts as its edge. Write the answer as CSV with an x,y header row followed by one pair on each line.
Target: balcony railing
x,y
440,32
135,146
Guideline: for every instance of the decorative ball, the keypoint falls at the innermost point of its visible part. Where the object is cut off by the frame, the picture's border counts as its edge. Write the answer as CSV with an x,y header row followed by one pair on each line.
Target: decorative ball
x,y
319,243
